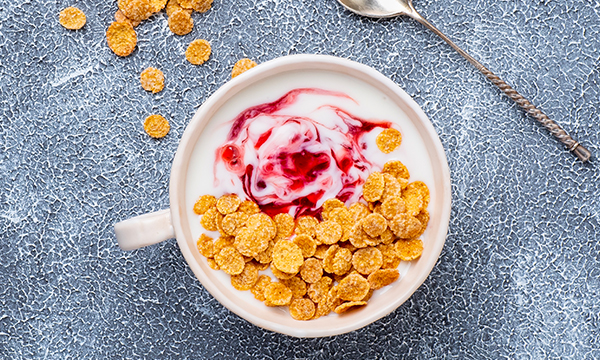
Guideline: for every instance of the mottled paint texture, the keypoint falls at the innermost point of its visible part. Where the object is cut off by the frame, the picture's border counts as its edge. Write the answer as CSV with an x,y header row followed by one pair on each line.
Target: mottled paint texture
x,y
517,279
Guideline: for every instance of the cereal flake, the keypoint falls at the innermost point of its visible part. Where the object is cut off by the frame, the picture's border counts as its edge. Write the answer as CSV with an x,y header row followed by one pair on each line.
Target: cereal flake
x,y
152,80
302,309
367,260
204,203
287,256
72,18
277,294
409,249
121,38
198,52
382,277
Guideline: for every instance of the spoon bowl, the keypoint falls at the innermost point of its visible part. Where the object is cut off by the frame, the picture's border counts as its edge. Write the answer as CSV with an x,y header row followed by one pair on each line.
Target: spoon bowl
x,y
391,8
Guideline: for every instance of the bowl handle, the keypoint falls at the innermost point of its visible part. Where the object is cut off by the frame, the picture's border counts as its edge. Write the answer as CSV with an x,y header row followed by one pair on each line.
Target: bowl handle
x,y
144,230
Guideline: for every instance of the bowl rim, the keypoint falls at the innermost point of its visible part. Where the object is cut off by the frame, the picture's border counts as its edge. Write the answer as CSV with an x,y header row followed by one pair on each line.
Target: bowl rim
x,y
230,88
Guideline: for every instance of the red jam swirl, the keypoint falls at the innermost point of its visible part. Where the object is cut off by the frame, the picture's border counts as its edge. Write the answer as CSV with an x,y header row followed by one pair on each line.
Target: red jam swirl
x,y
291,160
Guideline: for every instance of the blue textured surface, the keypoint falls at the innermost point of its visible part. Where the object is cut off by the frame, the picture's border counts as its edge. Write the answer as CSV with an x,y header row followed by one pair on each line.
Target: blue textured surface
x,y
519,276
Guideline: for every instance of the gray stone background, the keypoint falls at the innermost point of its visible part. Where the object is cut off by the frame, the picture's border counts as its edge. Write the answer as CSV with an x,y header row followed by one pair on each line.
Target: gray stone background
x,y
519,276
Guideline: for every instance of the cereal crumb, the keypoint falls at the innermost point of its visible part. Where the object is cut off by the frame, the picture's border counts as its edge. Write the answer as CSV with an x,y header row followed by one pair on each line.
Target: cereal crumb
x,y
121,38
156,126
389,140
198,51
72,18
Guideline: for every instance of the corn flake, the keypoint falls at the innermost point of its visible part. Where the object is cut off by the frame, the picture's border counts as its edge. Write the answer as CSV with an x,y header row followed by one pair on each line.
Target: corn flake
x,y
173,5
329,205
348,305
302,309
373,187
221,243
413,200
311,271
265,257
280,274
374,225
353,287
392,187
420,187
186,4
397,169
287,257
318,291
204,203
250,243
246,279
120,17
198,52
233,223
321,310
205,246
249,207
368,260
409,249
285,226
157,5
382,277
258,290
359,211
388,140
306,244
423,217
180,22
405,226
333,299
156,126
242,66
297,285
213,264
121,38
227,204
392,206
262,225
152,80
72,18
390,257
328,232
321,251
343,217
342,261
306,225
137,10
277,294
230,260
208,220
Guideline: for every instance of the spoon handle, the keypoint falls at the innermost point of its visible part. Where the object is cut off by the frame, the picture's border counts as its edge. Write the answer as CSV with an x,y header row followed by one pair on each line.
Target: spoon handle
x,y
576,148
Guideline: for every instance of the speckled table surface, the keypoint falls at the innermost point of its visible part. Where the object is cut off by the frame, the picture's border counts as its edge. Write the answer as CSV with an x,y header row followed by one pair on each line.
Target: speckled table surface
x,y
518,278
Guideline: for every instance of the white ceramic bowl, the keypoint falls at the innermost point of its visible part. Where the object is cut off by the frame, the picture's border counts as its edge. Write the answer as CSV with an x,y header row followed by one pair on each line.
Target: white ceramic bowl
x,y
179,221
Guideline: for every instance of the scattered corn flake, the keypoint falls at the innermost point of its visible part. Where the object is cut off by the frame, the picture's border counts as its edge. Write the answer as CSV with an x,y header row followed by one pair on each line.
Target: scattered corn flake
x,y
201,6
262,225
242,66
230,260
311,271
367,261
72,18
353,287
319,290
186,4
373,187
387,237
287,256
204,203
342,261
152,80
180,22
359,211
397,169
306,225
392,206
306,244
258,290
249,207
121,38
280,274
265,257
208,219
157,5
382,277
198,51
405,226
409,249
213,264
328,232
233,223
374,225
302,309
156,126
297,285
348,305
388,140
120,17
228,204
137,10
423,217
222,242
250,243
246,279
277,294
285,226
205,246
329,205
321,251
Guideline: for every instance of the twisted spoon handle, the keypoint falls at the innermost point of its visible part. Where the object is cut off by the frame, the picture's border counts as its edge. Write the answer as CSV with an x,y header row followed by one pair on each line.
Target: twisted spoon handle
x,y
576,148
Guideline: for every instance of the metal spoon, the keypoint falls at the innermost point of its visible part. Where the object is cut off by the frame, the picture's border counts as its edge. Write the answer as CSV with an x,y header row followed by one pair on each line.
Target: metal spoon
x,y
390,8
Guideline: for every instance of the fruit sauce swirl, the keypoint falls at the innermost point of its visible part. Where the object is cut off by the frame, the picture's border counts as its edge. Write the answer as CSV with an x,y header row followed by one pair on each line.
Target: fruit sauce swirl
x,y
292,154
